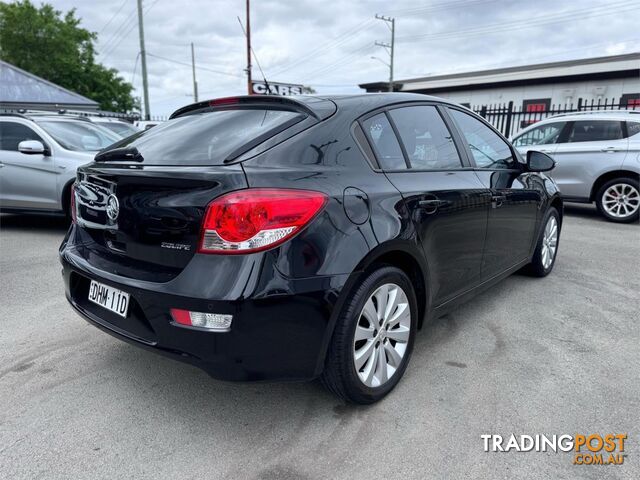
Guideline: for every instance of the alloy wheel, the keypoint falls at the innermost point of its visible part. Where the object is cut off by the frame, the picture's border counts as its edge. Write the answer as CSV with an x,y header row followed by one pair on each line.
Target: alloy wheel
x,y
621,200
382,335
549,242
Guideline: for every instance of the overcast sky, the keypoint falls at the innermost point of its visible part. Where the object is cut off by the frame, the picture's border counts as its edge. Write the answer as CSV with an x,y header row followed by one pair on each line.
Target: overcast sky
x,y
329,44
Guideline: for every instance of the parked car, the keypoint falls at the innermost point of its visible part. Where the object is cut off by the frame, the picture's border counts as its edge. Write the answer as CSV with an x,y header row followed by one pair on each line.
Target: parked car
x,y
265,238
39,154
119,127
597,158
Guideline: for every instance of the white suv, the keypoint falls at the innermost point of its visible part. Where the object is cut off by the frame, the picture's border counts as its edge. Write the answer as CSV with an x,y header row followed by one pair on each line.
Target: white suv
x,y
597,158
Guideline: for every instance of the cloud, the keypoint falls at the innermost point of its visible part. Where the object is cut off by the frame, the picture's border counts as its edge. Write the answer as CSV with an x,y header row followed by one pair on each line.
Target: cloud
x,y
329,45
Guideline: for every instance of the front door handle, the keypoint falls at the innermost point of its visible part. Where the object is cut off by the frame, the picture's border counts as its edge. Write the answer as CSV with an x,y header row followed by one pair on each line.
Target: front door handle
x,y
1,165
609,149
498,200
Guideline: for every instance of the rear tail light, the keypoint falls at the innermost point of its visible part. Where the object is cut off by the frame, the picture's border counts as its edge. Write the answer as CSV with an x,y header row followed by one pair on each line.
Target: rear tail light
x,y
216,322
257,219
72,206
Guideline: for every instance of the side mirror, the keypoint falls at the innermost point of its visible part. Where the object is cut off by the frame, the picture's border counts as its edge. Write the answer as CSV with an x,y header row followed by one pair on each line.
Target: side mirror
x,y
539,162
32,147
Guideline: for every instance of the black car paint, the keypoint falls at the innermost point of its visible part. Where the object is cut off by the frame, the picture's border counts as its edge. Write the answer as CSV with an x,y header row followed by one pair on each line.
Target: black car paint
x,y
285,300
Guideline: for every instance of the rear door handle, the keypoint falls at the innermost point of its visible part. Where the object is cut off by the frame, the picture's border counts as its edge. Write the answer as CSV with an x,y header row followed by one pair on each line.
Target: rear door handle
x,y
1,165
610,149
498,200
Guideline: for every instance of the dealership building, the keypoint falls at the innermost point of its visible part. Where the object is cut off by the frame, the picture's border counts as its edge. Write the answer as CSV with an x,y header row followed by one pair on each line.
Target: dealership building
x,y
613,79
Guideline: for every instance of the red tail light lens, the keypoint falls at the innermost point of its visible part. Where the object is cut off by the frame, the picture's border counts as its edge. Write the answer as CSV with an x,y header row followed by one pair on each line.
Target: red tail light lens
x,y
257,219
72,206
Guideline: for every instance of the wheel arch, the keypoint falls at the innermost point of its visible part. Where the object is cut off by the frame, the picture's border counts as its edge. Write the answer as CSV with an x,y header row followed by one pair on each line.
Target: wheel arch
x,y
402,254
605,177
65,197
558,204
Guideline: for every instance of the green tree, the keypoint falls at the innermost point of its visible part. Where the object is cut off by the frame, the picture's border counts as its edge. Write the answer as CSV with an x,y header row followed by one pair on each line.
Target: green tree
x,y
55,47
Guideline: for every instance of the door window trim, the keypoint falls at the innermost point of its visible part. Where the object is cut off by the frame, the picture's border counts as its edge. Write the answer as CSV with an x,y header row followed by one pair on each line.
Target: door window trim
x,y
441,109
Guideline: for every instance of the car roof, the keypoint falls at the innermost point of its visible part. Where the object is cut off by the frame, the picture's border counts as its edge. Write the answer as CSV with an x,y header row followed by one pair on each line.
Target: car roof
x,y
600,115
371,101
320,106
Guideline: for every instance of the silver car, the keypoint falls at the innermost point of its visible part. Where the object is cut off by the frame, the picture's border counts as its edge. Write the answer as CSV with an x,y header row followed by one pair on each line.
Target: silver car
x,y
597,158
39,155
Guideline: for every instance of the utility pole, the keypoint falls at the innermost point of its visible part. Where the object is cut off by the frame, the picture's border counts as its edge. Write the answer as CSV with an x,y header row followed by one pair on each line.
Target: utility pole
x,y
143,56
248,34
193,69
390,47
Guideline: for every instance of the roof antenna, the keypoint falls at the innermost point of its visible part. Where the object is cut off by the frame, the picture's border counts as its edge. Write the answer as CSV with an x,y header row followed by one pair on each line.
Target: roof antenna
x,y
266,83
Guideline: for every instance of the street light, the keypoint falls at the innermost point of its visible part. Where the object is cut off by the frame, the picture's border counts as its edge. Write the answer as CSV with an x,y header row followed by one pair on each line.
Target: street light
x,y
381,61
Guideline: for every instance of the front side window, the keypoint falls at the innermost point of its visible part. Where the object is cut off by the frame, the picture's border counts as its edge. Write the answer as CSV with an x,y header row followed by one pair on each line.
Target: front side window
x,y
384,142
487,148
79,135
595,131
12,133
426,139
541,135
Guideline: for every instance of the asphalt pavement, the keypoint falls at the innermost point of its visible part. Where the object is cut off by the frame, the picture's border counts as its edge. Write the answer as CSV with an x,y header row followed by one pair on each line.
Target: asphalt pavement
x,y
559,355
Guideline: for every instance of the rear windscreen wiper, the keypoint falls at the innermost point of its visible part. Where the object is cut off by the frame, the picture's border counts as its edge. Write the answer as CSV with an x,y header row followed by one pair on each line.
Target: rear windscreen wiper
x,y
125,154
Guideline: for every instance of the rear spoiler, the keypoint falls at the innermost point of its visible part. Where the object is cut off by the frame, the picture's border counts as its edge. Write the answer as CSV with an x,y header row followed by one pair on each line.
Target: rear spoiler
x,y
318,108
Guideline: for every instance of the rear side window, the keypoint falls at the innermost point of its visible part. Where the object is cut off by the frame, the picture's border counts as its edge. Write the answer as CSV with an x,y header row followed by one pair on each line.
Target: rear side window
x,y
384,142
12,133
208,138
633,128
425,137
595,131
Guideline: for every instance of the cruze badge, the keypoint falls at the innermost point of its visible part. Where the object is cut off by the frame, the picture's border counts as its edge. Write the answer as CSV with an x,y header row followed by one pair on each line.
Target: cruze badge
x,y
113,207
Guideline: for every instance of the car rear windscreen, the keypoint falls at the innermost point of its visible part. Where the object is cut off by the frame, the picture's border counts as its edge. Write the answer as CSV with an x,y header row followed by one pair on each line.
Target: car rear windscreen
x,y
208,138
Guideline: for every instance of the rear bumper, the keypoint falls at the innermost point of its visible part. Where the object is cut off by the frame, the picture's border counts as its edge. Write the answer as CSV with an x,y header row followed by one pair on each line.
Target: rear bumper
x,y
280,331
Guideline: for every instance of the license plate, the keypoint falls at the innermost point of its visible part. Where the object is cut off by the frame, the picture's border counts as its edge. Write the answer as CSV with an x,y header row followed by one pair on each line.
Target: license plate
x,y
110,298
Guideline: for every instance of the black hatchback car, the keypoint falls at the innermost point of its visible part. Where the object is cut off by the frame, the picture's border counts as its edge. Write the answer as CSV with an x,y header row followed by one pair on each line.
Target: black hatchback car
x,y
265,238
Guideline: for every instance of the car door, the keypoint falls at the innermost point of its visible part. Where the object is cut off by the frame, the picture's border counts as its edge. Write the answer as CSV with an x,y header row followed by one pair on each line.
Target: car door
x,y
516,196
26,180
590,148
542,138
446,200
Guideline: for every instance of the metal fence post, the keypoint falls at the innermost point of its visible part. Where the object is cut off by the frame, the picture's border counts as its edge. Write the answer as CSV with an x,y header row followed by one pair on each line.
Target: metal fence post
x,y
507,126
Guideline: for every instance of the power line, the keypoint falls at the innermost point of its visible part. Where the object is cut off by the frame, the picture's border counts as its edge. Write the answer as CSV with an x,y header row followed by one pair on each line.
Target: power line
x,y
114,16
131,24
198,67
130,19
135,66
437,6
530,22
337,41
341,61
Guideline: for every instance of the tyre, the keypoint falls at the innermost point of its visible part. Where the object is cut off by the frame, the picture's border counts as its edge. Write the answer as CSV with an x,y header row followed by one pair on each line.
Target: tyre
x,y
618,200
373,337
544,257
